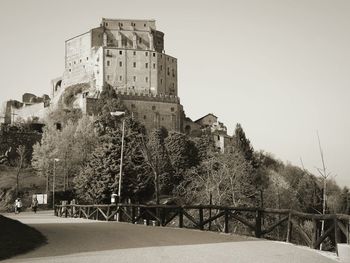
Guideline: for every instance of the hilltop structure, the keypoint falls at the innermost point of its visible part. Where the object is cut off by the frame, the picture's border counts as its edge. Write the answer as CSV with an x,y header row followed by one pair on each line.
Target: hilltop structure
x,y
129,56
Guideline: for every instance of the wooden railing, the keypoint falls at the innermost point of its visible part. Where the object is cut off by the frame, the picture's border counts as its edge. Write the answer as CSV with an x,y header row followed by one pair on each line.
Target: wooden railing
x,y
296,227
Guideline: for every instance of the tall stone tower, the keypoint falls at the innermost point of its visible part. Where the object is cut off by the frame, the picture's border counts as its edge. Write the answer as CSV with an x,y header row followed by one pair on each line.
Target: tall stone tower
x,y
127,54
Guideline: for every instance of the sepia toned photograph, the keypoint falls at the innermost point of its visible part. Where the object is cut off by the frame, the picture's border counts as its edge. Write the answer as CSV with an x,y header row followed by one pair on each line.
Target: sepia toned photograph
x,y
175,131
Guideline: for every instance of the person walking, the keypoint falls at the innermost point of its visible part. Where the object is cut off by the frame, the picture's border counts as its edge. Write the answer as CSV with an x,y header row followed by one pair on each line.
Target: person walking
x,y
35,204
18,205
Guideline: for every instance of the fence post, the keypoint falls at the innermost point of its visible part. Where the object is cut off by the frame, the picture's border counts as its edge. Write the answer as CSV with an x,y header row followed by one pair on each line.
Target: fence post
x,y
336,233
226,220
289,228
314,233
133,214
65,211
181,217
201,227
258,214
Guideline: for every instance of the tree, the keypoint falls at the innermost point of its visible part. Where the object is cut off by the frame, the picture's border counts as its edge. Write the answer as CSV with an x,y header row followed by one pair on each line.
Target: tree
x,y
99,178
157,158
182,152
21,152
45,151
227,177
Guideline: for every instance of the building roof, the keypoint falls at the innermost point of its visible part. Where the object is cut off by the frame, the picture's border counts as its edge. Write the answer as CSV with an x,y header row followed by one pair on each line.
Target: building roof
x,y
206,116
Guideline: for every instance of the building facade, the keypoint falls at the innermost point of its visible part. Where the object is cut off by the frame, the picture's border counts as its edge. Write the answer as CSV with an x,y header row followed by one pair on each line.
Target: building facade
x,y
129,56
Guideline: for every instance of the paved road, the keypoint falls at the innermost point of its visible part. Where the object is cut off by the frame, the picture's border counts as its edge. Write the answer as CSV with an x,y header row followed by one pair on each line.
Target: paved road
x,y
79,240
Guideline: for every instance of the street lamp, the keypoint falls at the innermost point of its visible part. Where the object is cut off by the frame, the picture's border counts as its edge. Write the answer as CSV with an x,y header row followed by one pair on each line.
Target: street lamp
x,y
120,113
53,183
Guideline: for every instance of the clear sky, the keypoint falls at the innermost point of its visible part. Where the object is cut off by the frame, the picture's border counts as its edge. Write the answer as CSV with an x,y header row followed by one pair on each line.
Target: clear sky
x,y
279,67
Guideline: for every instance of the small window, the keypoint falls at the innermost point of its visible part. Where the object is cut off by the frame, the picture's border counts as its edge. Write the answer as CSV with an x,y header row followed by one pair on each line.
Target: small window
x,y
172,60
161,67
133,106
168,58
140,40
134,64
134,78
144,25
153,107
146,54
134,53
168,71
106,24
161,81
154,54
144,117
87,58
80,60
74,62
70,70
108,63
107,77
120,52
146,79
172,109
107,52
146,65
154,65
120,64
120,78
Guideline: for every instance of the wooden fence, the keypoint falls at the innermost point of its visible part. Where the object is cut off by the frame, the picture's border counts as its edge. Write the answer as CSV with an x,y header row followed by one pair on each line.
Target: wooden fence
x,y
297,227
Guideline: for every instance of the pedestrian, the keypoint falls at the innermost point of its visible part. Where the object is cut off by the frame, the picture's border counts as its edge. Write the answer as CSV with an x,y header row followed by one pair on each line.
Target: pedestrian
x,y
35,204
18,205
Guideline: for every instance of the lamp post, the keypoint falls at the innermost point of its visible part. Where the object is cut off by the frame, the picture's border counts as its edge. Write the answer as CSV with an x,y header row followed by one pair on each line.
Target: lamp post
x,y
53,182
120,113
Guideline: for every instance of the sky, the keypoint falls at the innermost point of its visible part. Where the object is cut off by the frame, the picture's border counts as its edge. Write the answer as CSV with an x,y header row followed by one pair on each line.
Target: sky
x,y
280,68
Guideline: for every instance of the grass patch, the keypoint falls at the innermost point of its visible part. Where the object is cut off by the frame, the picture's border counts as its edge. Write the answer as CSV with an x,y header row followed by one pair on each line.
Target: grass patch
x,y
17,238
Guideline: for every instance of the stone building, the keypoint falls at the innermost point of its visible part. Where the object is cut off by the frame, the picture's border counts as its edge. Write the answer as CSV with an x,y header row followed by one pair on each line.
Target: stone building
x,y
129,56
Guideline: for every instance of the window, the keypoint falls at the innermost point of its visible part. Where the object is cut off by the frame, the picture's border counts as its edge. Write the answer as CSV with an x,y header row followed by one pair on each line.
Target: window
x,y
168,58
87,58
144,117
154,54
120,78
154,65
107,52
173,72
144,25
161,81
161,67
74,62
107,77
146,65
134,53
133,106
153,107
172,109
146,79
70,70
108,63
120,64
140,40
168,71
146,53
172,60
80,60
134,78
120,52
134,64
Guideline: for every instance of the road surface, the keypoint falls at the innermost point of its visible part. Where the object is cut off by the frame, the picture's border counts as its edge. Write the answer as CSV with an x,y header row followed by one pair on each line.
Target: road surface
x,y
80,240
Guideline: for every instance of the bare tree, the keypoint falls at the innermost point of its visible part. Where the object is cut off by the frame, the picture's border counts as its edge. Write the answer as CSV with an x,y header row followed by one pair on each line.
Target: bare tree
x,y
324,176
21,151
